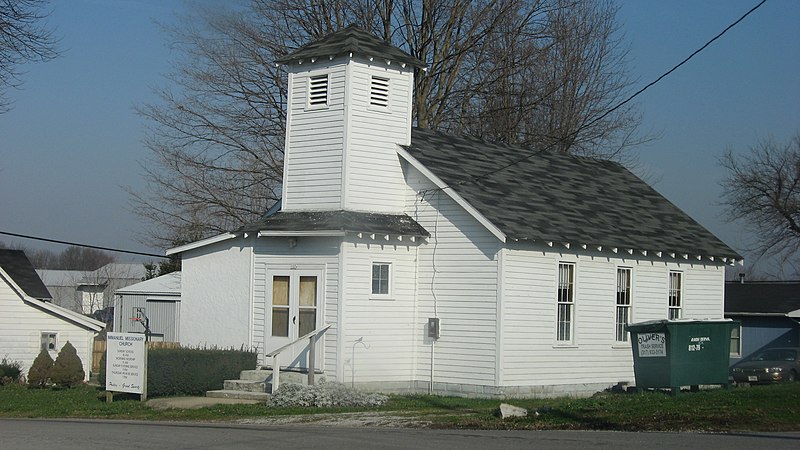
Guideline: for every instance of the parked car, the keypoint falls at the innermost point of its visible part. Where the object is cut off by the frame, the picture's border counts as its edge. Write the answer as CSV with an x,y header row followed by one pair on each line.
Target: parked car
x,y
769,366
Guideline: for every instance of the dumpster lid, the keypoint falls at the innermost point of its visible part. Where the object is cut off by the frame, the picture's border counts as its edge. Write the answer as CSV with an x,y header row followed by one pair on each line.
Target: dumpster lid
x,y
653,325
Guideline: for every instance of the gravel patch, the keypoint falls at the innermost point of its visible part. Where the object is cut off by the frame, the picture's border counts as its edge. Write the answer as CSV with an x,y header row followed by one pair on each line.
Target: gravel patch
x,y
347,420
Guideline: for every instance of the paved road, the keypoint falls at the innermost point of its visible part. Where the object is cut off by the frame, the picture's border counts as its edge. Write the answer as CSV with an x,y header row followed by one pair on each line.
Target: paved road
x,y
83,434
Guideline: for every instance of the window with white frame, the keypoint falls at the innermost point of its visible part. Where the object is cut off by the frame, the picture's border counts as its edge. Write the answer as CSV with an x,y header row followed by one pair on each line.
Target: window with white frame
x,y
675,295
379,92
736,341
565,302
318,91
381,273
49,342
623,303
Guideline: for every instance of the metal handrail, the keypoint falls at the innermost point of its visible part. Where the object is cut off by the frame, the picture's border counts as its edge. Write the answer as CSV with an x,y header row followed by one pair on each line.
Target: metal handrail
x,y
276,367
305,336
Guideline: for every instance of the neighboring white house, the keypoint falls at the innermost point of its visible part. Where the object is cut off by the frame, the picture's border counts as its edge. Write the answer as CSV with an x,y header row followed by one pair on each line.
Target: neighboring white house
x,y
30,322
531,262
87,291
155,302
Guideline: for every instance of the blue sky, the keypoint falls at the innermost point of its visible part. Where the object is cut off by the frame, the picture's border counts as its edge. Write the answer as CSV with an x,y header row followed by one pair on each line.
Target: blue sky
x,y
72,140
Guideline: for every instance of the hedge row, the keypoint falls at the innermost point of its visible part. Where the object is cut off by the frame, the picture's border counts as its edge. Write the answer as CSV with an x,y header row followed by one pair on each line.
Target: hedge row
x,y
192,371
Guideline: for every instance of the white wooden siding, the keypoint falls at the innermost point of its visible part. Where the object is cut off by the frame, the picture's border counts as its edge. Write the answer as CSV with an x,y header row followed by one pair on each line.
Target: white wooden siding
x,y
21,327
457,281
386,325
374,178
530,353
215,294
704,292
318,253
314,143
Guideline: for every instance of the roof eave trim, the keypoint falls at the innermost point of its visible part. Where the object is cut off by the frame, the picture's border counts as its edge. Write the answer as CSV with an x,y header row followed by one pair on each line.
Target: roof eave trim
x,y
65,314
765,314
200,243
492,228
283,233
351,55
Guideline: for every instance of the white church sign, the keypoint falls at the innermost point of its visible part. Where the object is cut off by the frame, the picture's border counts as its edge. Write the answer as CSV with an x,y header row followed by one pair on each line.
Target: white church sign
x,y
126,363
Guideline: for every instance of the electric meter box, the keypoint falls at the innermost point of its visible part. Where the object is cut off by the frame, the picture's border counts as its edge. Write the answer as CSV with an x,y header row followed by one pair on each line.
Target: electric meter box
x,y
433,327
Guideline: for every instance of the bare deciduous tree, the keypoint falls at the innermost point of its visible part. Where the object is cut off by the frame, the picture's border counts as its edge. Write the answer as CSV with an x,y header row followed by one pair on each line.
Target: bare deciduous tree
x,y
763,190
535,72
23,38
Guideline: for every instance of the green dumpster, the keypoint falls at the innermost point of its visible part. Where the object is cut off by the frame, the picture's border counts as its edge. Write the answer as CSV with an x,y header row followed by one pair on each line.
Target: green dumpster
x,y
675,353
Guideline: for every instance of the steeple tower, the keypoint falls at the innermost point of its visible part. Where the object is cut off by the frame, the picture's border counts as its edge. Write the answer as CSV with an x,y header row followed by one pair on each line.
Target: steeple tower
x,y
349,107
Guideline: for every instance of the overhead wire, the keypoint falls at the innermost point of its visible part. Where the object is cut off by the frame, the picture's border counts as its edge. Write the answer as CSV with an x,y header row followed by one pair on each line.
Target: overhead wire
x,y
478,177
605,114
77,244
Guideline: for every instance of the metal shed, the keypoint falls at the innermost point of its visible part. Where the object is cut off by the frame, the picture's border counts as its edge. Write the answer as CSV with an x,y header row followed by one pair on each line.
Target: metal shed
x,y
158,300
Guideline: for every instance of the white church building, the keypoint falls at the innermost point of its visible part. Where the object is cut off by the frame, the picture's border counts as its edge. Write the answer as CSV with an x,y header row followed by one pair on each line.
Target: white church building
x,y
419,265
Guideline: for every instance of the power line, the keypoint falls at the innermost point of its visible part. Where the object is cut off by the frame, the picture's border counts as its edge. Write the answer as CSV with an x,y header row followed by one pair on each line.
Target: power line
x,y
619,105
76,244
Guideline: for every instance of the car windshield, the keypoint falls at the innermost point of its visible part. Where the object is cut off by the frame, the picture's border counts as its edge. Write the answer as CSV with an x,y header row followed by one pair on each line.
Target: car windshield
x,y
777,354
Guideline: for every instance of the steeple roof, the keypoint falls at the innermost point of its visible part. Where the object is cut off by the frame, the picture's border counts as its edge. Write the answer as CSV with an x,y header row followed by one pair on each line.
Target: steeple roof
x,y
355,40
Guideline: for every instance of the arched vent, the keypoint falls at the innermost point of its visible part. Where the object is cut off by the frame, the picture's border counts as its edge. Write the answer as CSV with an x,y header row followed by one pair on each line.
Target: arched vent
x,y
318,90
379,92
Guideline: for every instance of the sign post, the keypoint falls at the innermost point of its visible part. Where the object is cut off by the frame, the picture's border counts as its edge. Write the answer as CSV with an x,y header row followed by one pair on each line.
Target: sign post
x,y
126,364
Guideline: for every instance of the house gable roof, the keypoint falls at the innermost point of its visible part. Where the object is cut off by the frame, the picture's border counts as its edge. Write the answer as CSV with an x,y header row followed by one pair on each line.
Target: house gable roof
x,y
20,269
351,39
564,199
762,297
62,313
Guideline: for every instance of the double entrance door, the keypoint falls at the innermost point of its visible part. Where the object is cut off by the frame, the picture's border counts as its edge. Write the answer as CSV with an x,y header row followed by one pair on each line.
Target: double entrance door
x,y
294,312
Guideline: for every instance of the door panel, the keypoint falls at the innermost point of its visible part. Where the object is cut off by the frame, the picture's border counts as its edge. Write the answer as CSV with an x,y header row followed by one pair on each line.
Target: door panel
x,y
295,296
280,306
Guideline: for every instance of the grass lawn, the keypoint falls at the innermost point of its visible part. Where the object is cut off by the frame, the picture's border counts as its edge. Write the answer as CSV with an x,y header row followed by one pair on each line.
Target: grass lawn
x,y
758,408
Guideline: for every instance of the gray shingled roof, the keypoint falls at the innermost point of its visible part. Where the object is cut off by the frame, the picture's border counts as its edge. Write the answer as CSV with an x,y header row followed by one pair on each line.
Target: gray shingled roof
x,y
346,221
561,198
762,297
20,269
351,40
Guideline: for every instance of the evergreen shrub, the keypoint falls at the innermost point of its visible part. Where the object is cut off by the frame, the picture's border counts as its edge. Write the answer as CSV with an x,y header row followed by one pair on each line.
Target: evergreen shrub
x,y
39,373
10,371
193,371
68,368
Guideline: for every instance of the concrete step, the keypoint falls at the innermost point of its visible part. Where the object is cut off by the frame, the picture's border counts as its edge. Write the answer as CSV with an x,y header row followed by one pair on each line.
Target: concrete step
x,y
244,385
294,380
255,375
242,395
265,375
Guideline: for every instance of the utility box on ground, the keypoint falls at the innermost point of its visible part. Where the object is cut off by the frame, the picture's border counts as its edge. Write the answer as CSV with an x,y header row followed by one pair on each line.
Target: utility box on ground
x,y
675,353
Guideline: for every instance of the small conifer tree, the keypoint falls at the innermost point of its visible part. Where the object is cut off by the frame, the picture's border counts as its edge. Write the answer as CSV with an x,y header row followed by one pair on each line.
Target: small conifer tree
x,y
39,373
68,368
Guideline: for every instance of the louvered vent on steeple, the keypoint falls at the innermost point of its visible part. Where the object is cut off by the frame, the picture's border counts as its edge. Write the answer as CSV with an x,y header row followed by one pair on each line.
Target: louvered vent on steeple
x,y
318,90
379,92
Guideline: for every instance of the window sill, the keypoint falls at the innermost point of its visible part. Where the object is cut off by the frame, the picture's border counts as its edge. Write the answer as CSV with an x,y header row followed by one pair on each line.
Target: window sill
x,y
621,345
566,345
381,298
